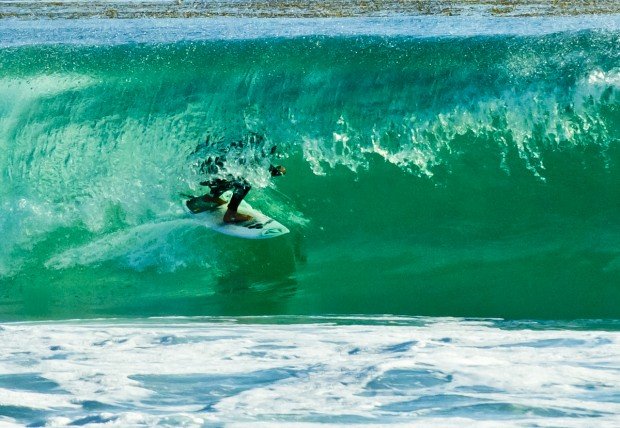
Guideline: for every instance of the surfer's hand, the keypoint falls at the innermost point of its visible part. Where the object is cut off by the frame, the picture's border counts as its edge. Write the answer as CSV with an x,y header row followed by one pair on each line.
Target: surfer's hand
x,y
277,170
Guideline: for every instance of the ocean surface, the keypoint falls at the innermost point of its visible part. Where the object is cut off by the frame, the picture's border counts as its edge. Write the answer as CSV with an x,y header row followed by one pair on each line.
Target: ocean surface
x,y
310,371
460,173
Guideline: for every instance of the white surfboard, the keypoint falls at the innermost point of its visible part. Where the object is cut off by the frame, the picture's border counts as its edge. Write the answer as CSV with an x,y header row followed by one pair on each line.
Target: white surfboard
x,y
260,227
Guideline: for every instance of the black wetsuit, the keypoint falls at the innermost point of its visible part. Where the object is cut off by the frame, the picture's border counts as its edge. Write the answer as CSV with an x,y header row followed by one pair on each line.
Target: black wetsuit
x,y
219,186
240,187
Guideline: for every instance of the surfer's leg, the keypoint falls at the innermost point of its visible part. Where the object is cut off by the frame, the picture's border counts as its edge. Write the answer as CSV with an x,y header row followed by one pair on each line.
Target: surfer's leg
x,y
206,202
218,186
240,190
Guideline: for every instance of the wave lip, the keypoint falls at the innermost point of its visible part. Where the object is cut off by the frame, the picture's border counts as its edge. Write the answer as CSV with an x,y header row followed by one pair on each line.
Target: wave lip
x,y
138,30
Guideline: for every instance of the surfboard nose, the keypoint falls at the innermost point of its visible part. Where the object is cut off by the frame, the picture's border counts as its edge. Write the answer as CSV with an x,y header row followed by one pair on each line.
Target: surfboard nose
x,y
272,232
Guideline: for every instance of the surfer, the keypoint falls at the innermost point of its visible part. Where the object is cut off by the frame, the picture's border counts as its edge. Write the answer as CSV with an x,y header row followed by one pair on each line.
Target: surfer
x,y
214,165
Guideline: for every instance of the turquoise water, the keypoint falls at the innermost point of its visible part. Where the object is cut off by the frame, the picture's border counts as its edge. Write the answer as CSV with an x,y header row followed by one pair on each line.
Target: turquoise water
x,y
429,174
438,168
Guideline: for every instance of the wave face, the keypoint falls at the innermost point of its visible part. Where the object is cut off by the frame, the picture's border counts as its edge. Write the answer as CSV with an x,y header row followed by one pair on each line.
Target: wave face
x,y
461,176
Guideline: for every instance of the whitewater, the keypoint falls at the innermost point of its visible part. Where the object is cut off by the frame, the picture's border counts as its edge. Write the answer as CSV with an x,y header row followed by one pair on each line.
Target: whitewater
x,y
275,371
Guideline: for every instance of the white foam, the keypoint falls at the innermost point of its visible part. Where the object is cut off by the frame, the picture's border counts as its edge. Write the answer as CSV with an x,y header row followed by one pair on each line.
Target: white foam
x,y
140,246
319,372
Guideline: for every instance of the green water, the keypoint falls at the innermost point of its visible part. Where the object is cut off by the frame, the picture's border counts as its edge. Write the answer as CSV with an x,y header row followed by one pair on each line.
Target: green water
x,y
443,177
